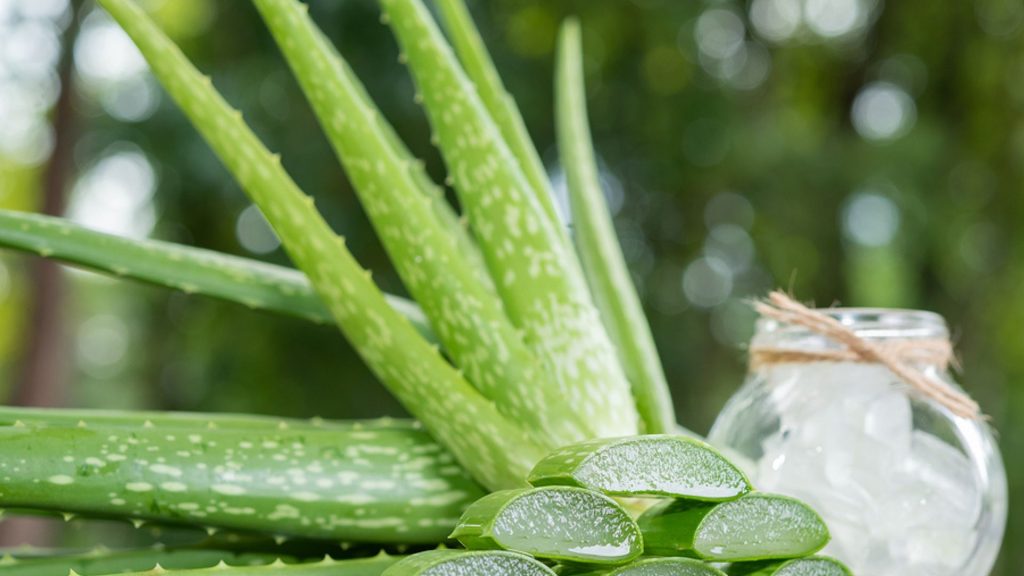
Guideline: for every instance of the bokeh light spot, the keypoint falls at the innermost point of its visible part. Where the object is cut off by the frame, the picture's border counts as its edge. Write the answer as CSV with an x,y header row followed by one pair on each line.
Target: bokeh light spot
x,y
870,219
116,195
833,18
707,282
883,111
254,232
776,20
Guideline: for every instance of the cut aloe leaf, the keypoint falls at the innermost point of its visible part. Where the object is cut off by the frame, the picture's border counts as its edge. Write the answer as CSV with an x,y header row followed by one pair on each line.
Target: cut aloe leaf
x,y
654,465
558,522
384,483
252,283
603,262
814,566
466,563
659,567
757,526
102,561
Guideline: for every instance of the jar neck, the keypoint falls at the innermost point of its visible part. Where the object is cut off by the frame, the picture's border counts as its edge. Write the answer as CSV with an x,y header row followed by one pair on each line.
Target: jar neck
x,y
876,324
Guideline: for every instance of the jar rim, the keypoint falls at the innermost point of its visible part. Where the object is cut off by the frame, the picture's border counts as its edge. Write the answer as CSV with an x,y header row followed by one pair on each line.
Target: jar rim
x,y
874,323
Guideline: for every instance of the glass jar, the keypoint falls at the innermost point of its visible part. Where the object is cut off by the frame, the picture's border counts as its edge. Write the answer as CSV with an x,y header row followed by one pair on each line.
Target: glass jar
x,y
906,486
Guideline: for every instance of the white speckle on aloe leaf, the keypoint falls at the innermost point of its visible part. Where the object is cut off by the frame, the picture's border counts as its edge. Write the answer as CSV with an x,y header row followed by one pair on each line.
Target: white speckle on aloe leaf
x,y
61,479
228,489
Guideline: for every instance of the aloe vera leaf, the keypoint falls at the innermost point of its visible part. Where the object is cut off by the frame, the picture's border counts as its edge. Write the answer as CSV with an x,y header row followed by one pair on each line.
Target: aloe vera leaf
x,y
494,449
556,522
653,465
198,421
252,283
494,358
502,107
812,566
757,526
369,483
468,563
537,275
103,561
659,567
374,566
603,261
347,113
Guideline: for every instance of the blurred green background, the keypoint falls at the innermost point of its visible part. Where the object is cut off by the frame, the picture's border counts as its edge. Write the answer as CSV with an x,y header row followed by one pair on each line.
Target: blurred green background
x,y
852,151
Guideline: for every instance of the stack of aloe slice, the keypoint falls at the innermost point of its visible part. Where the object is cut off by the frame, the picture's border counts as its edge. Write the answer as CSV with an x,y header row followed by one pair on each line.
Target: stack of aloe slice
x,y
707,518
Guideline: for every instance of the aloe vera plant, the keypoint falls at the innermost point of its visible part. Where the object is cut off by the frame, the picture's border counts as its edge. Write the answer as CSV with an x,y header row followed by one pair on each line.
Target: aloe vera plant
x,y
515,356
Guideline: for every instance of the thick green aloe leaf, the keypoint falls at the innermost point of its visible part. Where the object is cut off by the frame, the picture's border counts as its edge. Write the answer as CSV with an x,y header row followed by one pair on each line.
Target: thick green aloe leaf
x,y
757,526
502,107
653,465
387,483
660,567
465,312
605,266
813,566
327,567
193,270
493,448
536,273
558,522
103,561
197,421
468,563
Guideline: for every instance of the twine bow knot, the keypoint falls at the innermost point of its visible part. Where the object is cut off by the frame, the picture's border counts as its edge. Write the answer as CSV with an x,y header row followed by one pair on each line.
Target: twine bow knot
x,y
899,357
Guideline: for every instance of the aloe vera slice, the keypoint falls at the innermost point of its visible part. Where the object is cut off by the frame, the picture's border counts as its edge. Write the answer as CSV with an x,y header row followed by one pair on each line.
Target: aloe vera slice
x,y
813,566
466,563
659,567
653,465
388,483
255,284
102,561
757,526
557,522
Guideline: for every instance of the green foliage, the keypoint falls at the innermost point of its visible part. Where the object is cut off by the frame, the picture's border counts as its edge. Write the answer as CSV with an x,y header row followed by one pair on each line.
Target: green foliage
x,y
484,441
538,277
191,270
605,266
384,482
528,365
424,249
102,561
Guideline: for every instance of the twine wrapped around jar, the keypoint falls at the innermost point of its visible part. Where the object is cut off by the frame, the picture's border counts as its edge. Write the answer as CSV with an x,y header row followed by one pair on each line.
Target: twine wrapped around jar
x,y
900,357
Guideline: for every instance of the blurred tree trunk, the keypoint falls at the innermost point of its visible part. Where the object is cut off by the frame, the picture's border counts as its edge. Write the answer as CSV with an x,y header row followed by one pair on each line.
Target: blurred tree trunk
x,y
42,377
